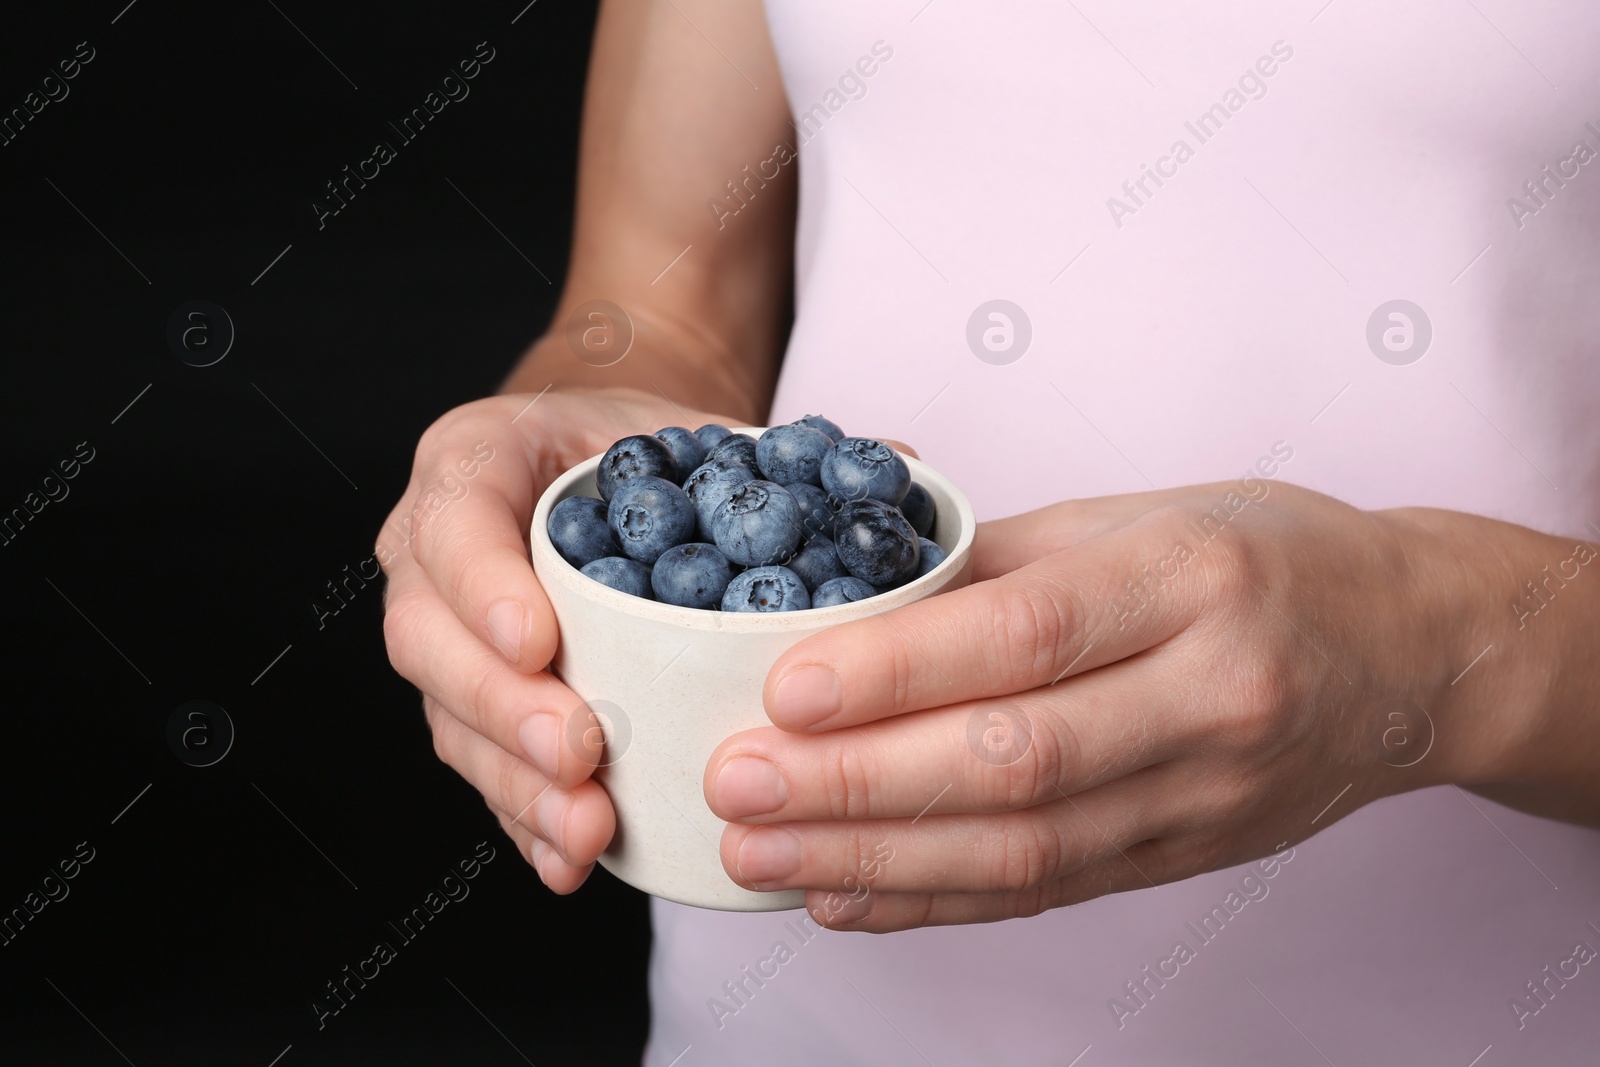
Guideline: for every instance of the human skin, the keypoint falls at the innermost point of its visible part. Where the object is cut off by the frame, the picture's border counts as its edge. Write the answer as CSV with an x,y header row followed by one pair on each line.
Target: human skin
x,y
1203,730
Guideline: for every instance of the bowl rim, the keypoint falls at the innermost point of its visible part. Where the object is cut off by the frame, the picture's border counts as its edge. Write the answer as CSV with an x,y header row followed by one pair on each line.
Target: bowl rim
x,y
550,566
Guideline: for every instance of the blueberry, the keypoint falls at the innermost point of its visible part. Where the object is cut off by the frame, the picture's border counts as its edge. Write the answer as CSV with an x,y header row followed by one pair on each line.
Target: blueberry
x,y
917,507
622,574
692,576
875,542
790,454
713,482
758,525
766,589
859,468
685,448
650,515
816,512
827,426
846,590
929,556
633,457
738,447
817,562
711,434
579,530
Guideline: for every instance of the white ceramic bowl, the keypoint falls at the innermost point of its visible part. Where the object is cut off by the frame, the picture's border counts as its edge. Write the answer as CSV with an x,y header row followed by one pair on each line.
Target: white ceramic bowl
x,y
668,684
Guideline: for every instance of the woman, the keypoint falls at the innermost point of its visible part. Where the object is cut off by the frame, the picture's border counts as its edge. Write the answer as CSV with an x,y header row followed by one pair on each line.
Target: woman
x,y
1278,325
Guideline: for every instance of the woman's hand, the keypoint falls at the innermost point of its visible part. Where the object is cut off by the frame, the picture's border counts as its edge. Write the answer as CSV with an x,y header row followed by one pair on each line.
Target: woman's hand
x,y
1134,690
467,622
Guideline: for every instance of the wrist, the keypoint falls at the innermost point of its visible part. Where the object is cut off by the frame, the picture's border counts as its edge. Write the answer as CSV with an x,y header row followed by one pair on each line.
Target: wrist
x,y
1509,609
658,360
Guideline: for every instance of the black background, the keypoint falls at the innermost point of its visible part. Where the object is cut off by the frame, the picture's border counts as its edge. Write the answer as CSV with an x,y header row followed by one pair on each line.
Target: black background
x,y
190,550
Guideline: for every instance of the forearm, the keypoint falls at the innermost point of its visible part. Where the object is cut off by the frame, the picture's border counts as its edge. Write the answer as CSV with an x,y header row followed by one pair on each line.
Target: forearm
x,y
665,294
1520,613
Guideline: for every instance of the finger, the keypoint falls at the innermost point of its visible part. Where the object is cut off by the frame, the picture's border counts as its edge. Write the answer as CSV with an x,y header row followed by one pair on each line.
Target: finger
x,y
1059,616
560,876
959,853
886,912
532,714
468,533
900,446
990,755
1003,545
578,822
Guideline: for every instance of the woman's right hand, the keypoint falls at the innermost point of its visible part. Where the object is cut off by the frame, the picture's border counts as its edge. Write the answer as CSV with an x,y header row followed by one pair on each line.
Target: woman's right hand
x,y
467,622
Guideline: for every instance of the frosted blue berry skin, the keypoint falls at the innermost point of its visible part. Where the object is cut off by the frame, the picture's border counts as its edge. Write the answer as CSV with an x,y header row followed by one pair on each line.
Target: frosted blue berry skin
x,y
685,449
816,511
711,434
758,525
633,457
622,574
917,506
766,589
710,484
579,531
694,575
816,563
929,556
827,426
846,590
648,516
737,447
711,519
791,454
859,468
875,542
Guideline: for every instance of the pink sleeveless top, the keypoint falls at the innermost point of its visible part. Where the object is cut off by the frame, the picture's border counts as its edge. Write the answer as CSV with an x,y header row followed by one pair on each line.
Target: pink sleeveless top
x,y
1159,240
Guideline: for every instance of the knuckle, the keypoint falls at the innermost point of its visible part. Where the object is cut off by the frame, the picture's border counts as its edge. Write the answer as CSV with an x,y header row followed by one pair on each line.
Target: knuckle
x,y
895,654
400,621
440,432
443,743
508,787
1232,569
1035,618
482,698
1037,774
846,773
1164,859
1235,798
1030,853
1034,901
1259,696
1051,759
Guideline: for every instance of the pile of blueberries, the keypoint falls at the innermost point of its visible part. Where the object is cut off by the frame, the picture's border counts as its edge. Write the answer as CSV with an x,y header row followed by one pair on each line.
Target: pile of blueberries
x,y
804,517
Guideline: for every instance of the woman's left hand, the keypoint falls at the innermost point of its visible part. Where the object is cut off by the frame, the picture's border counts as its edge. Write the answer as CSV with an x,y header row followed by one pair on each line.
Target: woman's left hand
x,y
1134,690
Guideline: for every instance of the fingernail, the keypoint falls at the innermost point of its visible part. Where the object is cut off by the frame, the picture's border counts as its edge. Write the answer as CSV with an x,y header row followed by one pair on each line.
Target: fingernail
x,y
551,815
505,628
747,785
769,855
540,735
806,695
